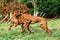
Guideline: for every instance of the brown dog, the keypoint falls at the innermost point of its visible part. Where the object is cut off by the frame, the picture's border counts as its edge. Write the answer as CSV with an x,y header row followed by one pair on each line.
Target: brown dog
x,y
34,19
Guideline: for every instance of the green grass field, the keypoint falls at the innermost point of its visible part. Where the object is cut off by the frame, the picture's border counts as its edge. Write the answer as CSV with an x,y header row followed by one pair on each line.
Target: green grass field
x,y
39,34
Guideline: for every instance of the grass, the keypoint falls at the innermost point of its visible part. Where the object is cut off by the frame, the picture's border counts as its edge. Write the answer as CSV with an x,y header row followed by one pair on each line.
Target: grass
x,y
39,34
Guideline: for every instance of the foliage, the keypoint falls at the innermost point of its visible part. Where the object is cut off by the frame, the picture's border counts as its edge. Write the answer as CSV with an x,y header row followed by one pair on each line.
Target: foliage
x,y
22,1
49,7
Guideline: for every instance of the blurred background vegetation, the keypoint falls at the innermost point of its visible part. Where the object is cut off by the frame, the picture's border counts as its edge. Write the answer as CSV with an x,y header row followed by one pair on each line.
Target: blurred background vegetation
x,y
43,8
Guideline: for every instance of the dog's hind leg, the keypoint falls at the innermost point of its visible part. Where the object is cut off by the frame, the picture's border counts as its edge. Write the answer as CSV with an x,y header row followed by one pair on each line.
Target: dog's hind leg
x,y
44,26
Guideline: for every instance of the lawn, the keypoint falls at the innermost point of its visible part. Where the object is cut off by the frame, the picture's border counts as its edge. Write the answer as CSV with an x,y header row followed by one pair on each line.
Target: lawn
x,y
39,34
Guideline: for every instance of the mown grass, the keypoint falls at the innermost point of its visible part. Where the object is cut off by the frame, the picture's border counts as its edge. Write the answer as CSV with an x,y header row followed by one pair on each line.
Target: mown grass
x,y
39,34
